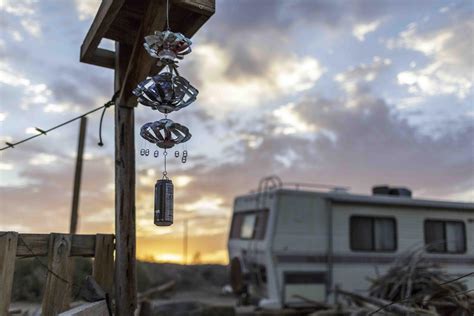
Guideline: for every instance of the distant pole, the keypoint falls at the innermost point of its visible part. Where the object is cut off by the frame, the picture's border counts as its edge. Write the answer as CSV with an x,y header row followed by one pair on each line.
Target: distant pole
x,y
185,242
78,175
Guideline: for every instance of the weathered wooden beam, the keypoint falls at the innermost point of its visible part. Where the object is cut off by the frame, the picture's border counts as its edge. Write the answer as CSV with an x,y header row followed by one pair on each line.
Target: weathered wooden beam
x,y
104,18
103,58
38,244
103,269
204,7
125,254
88,309
8,246
57,280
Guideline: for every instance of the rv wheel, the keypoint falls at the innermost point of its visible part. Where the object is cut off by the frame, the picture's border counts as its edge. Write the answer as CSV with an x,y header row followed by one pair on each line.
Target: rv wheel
x,y
236,276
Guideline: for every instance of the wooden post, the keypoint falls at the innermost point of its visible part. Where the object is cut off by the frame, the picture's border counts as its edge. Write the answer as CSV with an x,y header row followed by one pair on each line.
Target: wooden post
x,y
78,175
125,265
76,192
57,283
185,242
8,245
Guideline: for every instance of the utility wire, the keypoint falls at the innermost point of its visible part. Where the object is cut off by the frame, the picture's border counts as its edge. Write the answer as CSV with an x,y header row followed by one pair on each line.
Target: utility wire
x,y
45,132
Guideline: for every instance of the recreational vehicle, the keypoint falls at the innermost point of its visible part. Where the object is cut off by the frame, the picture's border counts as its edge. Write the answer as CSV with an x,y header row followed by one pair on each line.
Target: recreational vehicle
x,y
288,246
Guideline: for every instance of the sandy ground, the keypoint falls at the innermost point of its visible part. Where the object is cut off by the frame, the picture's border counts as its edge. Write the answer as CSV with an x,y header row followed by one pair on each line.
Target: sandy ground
x,y
210,297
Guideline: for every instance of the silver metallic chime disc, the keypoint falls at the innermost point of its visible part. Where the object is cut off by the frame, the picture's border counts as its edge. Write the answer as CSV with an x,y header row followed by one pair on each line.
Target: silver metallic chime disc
x,y
165,133
167,46
166,92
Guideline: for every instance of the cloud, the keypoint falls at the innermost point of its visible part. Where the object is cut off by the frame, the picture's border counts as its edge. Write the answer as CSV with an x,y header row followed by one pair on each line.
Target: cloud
x,y
86,9
46,197
358,146
25,12
6,166
221,93
355,80
291,121
362,29
18,7
450,60
43,159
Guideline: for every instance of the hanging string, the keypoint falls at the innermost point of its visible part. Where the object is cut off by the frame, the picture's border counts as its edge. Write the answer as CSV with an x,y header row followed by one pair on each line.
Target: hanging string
x,y
106,106
167,15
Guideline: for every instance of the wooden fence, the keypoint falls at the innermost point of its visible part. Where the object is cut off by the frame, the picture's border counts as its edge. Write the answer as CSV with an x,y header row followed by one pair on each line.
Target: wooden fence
x,y
59,248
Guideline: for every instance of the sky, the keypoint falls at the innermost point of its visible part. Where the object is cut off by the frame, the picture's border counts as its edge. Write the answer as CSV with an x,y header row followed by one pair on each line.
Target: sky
x,y
351,93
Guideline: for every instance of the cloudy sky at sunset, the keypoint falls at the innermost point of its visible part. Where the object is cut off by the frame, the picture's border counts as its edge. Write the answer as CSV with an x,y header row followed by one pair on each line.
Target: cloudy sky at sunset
x,y
352,93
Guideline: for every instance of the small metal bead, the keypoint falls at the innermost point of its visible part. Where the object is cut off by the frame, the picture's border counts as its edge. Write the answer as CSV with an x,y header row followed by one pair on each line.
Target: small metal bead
x,y
156,154
142,152
147,152
176,154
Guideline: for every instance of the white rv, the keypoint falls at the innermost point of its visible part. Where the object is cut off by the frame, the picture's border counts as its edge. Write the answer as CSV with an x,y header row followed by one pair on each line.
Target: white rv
x,y
287,246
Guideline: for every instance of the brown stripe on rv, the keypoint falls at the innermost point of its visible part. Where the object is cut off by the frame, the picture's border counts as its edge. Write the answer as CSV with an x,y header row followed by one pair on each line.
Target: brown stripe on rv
x,y
364,259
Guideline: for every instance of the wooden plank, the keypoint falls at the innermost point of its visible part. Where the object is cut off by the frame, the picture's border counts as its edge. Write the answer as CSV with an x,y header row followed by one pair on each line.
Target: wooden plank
x,y
104,18
102,57
88,309
8,246
103,270
56,281
125,254
126,23
82,245
140,62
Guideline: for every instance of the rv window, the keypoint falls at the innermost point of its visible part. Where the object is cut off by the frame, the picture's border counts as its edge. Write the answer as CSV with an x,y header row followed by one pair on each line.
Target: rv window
x,y
373,233
236,226
445,236
249,225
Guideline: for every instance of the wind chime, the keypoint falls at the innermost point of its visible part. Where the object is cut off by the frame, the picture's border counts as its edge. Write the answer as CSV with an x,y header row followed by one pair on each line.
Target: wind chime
x,y
166,92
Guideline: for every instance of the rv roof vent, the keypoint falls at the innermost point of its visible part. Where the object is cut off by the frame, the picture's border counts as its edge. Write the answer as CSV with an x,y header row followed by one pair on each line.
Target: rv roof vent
x,y
395,191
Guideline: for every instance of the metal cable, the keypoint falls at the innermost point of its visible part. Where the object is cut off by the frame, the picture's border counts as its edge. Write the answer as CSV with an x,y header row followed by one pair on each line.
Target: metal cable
x,y
44,132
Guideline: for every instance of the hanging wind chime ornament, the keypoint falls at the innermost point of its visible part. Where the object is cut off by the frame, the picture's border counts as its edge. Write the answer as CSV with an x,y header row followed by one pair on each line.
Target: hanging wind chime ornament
x,y
165,133
166,92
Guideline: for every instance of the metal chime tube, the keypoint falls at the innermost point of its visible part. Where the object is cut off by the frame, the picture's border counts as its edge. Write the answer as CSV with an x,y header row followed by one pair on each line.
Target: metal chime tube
x,y
164,202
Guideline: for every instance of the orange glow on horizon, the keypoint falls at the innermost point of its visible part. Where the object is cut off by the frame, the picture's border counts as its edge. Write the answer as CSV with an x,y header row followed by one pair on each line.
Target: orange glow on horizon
x,y
202,249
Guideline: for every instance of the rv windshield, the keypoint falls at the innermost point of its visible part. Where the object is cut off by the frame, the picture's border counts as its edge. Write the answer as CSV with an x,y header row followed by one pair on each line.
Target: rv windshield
x,y
249,225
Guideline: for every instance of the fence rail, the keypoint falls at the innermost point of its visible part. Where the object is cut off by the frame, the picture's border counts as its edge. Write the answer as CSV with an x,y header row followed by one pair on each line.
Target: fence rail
x,y
59,248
